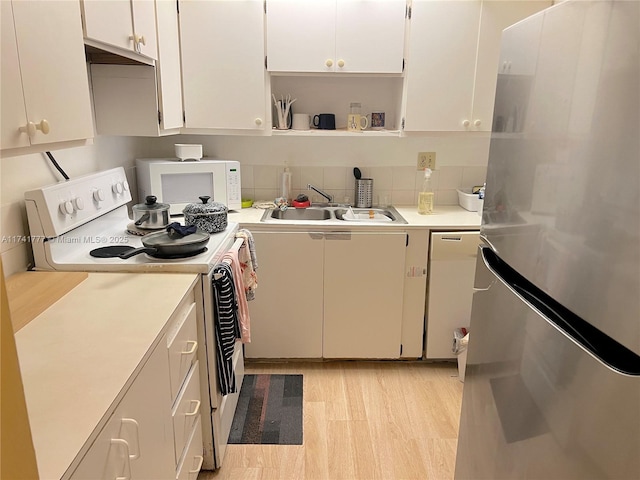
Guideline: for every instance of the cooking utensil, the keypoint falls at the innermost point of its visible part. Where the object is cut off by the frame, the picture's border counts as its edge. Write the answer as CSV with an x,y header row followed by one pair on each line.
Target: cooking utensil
x,y
170,245
357,173
151,214
208,217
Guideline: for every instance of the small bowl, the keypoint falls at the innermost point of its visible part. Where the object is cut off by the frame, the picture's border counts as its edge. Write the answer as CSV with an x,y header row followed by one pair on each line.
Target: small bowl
x,y
247,203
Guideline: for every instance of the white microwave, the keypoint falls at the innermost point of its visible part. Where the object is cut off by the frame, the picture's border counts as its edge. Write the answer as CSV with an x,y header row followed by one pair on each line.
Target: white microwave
x,y
180,183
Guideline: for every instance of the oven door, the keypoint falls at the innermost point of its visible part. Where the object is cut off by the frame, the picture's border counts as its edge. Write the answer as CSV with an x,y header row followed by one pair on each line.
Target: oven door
x,y
217,410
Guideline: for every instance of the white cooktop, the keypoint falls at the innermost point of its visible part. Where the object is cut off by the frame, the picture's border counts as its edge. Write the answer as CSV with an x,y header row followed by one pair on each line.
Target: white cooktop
x,y
69,219
71,251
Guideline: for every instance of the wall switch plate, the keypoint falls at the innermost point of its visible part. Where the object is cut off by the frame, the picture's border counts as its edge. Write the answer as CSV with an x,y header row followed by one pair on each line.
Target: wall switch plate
x,y
426,160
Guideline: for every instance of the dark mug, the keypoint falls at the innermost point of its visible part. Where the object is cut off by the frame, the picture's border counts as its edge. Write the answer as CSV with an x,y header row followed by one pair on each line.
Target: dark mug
x,y
325,121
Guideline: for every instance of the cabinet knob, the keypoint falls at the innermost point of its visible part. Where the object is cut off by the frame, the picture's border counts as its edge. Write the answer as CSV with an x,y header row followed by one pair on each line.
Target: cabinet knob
x,y
30,128
43,126
258,121
341,63
466,123
137,41
329,62
477,123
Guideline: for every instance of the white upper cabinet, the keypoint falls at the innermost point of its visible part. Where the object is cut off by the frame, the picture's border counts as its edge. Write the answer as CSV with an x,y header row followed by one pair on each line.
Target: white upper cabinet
x,y
454,52
127,25
45,89
142,100
353,36
223,74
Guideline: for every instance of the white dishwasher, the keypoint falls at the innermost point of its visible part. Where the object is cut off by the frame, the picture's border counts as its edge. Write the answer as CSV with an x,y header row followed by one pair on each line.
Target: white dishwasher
x,y
452,264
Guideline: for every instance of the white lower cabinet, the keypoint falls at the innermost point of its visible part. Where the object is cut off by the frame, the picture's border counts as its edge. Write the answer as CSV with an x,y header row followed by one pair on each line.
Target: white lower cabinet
x,y
363,286
286,317
137,441
155,431
191,463
328,295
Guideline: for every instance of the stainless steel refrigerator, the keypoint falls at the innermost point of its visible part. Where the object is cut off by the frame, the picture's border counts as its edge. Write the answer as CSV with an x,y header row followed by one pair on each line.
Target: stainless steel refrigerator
x,y
552,387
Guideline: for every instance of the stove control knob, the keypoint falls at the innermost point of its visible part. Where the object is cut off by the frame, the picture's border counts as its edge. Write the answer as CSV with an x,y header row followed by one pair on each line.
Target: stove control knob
x,y
98,195
125,185
78,203
66,207
117,188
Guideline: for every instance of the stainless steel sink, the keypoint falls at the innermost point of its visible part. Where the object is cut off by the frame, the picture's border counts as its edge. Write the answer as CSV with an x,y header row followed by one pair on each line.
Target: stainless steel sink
x,y
373,215
301,214
333,212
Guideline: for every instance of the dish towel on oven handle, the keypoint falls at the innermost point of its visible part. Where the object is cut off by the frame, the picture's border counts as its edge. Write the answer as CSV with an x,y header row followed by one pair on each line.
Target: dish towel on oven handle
x,y
231,258
226,326
248,263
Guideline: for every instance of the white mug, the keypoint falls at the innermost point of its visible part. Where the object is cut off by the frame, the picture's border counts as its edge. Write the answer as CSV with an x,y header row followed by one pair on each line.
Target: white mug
x,y
301,121
357,122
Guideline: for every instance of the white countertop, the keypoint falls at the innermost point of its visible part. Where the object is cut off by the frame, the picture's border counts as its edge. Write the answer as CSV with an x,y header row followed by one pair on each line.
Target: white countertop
x,y
76,356
449,217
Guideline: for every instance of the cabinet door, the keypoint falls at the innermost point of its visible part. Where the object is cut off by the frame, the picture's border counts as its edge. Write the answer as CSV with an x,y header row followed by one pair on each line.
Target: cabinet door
x,y
286,317
496,16
14,115
301,35
441,68
118,22
109,21
363,291
370,36
223,72
53,68
137,441
144,25
168,66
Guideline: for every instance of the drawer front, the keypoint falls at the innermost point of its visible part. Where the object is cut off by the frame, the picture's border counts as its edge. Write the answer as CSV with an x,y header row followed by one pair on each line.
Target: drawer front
x,y
186,411
191,463
182,342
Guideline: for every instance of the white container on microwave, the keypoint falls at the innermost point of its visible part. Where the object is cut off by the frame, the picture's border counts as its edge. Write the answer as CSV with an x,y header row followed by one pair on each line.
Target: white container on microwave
x,y
180,183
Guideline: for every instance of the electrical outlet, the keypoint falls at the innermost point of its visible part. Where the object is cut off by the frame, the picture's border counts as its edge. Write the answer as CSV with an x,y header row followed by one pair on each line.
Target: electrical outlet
x,y
426,160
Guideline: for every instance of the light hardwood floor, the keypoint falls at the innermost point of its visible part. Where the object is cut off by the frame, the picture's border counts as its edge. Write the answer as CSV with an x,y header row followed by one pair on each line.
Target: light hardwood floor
x,y
362,420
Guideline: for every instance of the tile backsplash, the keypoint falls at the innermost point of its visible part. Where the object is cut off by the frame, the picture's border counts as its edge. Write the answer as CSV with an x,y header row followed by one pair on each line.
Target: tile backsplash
x,y
398,185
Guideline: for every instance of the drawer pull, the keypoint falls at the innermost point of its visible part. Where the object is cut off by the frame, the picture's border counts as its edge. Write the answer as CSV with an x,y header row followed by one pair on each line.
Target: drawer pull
x,y
193,348
122,442
195,410
200,462
131,421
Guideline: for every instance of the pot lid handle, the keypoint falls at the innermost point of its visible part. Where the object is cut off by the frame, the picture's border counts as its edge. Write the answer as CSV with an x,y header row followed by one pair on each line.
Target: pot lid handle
x,y
204,199
150,200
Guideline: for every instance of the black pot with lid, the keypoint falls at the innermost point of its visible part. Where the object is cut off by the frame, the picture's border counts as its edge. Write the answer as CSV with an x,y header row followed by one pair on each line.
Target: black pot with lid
x,y
151,214
208,216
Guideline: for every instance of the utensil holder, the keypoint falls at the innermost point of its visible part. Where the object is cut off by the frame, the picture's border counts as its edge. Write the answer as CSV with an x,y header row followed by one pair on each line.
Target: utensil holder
x,y
364,193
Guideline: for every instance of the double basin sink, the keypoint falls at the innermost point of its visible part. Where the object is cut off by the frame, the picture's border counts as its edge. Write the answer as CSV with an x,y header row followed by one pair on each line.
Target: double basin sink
x,y
323,212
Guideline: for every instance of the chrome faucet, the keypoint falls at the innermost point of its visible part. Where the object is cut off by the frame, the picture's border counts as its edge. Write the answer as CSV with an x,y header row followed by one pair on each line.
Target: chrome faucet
x,y
325,195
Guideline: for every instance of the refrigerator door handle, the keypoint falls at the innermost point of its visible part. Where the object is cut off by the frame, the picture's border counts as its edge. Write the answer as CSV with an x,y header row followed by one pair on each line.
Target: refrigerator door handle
x,y
487,242
600,346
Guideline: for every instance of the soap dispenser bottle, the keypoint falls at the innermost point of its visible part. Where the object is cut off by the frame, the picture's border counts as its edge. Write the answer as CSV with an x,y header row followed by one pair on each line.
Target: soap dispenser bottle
x,y
286,185
425,197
